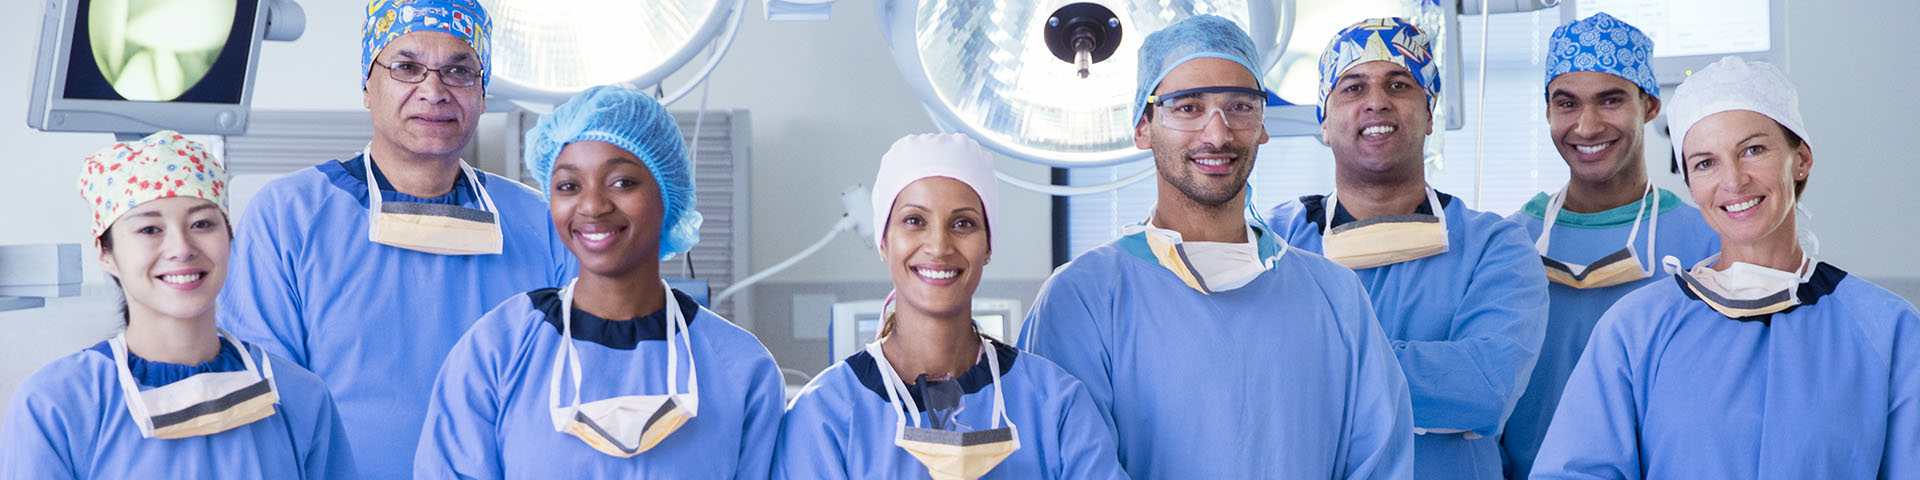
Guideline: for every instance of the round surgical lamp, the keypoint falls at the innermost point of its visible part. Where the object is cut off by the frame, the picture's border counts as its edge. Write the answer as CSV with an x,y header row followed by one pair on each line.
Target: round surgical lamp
x,y
1047,81
545,51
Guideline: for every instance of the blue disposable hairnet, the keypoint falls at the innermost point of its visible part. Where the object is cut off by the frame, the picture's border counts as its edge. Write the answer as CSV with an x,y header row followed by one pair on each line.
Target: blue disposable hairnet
x,y
634,121
1199,36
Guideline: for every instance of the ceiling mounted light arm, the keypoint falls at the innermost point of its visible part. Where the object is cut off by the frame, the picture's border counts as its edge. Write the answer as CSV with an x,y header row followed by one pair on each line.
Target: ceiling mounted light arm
x,y
725,43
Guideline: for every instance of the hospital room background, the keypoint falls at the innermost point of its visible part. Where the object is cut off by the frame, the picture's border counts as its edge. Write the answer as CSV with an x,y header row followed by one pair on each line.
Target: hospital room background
x,y
799,108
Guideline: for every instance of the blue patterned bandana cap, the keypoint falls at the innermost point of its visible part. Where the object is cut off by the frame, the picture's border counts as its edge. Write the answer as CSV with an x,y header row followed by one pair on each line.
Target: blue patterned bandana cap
x,y
1604,44
1393,40
388,20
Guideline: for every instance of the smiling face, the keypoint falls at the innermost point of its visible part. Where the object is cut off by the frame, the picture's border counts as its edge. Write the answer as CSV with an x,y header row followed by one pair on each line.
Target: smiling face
x,y
936,246
1208,167
169,256
1741,169
1377,120
427,118
1596,121
607,209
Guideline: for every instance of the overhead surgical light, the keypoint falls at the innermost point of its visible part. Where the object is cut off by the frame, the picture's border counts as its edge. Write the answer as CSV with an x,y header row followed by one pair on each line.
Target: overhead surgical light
x,y
1047,81
548,50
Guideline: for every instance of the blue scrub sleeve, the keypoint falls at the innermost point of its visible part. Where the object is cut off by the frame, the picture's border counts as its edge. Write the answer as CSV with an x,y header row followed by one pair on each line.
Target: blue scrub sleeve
x,y
1471,380
1380,445
1088,449
765,405
34,440
1064,328
810,441
260,302
1595,431
460,436
1902,457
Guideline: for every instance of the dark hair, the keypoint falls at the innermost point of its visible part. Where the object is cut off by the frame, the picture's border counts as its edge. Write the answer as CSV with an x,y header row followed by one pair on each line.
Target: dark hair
x,y
105,240
1794,142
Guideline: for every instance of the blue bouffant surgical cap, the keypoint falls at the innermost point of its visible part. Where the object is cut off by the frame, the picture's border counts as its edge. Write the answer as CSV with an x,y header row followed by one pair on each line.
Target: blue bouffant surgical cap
x,y
634,121
1199,36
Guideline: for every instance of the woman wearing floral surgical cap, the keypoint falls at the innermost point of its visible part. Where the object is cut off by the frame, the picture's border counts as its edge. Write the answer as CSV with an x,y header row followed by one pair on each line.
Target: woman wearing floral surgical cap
x,y
1759,362
933,397
615,375
172,395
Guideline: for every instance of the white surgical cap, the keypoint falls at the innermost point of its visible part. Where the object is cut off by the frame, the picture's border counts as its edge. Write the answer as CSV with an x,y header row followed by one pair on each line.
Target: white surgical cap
x,y
1734,84
933,155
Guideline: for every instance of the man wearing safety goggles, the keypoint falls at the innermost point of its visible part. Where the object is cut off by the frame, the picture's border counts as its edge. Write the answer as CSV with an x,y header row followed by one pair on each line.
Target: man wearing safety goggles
x,y
1609,226
1173,327
1459,292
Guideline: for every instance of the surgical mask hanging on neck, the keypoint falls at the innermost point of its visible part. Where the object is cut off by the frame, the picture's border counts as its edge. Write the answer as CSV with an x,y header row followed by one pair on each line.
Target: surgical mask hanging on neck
x,y
1208,267
627,425
433,228
1621,266
1385,239
1743,289
203,404
948,454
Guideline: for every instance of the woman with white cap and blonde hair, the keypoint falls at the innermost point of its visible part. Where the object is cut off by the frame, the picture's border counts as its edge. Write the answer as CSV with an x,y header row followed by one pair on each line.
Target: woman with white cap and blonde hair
x,y
1762,361
932,397
171,395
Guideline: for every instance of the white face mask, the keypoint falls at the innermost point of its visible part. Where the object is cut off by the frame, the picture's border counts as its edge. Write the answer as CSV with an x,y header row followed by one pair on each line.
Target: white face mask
x,y
627,425
1208,267
949,455
203,404
1619,267
1744,289
433,228
1386,239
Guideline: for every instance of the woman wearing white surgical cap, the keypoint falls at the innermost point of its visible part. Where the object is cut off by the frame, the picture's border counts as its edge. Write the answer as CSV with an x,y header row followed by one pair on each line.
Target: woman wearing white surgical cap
x,y
1762,362
173,395
616,375
932,397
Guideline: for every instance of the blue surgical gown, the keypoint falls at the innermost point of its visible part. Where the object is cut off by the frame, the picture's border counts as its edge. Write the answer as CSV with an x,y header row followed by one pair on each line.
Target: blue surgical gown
x,y
488,417
70,420
371,320
1670,388
1582,238
842,425
1465,324
1288,376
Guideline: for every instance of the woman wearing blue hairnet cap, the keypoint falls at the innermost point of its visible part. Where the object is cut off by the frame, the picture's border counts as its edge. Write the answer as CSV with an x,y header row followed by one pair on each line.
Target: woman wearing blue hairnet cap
x,y
614,375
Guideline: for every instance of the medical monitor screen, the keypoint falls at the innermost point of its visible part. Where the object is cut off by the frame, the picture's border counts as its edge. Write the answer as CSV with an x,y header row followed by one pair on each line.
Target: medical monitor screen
x,y
160,50
1693,27
867,327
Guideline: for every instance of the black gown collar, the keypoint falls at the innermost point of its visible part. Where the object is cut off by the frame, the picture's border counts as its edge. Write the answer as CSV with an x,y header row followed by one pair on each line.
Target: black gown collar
x,y
971,382
620,335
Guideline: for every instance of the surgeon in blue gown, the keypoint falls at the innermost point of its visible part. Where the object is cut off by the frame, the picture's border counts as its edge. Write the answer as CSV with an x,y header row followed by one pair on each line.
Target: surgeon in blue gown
x,y
1596,114
931,370
370,291
172,396
1459,292
1761,362
1212,348
640,383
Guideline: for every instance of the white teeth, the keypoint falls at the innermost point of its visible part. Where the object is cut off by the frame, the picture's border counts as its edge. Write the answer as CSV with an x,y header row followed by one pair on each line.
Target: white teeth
x,y
936,274
1592,149
181,279
1211,162
1377,130
1742,206
596,236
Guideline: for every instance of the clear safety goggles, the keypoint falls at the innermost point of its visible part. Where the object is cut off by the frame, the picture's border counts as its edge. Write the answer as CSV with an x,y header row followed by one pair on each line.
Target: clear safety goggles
x,y
1193,109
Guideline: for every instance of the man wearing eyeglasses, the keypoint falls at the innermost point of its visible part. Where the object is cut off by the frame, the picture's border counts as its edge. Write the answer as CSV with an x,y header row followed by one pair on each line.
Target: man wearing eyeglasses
x,y
1210,347
1460,292
366,271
